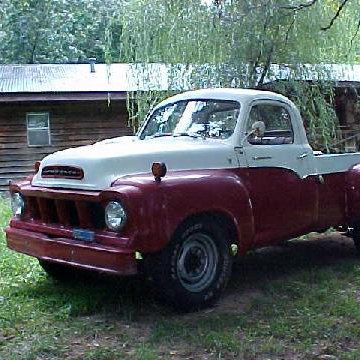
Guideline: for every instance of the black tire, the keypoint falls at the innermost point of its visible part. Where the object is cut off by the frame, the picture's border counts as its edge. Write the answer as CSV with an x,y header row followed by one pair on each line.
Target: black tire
x,y
356,237
60,272
194,268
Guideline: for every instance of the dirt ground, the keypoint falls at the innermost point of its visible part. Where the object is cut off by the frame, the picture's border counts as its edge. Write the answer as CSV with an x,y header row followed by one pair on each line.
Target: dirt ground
x,y
271,263
281,261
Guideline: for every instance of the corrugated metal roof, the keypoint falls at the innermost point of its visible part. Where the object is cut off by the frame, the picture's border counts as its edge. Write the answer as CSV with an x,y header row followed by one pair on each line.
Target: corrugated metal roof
x,y
330,72
60,78
47,78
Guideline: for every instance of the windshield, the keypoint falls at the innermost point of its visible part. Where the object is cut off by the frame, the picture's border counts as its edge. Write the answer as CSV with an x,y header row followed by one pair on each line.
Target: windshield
x,y
196,118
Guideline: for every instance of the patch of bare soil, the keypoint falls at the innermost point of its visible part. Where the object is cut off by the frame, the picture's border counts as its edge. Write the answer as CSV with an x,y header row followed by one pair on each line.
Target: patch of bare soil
x,y
113,334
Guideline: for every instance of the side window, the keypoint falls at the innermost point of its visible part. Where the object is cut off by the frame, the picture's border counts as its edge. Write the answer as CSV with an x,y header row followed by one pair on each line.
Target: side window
x,y
38,129
277,121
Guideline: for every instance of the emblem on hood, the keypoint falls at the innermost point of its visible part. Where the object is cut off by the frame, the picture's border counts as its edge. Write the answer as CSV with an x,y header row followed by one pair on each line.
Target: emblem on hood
x,y
60,171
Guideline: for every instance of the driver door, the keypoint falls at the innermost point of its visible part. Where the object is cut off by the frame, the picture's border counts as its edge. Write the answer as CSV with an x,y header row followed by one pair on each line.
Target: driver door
x,y
282,196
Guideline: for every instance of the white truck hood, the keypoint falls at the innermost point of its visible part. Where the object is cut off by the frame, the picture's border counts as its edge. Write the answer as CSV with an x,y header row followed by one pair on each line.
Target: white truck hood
x,y
108,160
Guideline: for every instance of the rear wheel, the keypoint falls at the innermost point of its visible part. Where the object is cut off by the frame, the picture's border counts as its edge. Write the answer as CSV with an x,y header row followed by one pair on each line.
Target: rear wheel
x,y
356,237
192,271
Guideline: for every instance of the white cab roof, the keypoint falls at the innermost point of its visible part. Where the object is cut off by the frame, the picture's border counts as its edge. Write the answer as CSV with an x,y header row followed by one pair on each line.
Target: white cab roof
x,y
241,95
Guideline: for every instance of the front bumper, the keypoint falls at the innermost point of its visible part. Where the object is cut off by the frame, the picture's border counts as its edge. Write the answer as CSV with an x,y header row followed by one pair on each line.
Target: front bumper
x,y
91,256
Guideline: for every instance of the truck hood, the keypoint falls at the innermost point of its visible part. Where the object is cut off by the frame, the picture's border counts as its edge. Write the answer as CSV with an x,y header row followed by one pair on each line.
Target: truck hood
x,y
104,162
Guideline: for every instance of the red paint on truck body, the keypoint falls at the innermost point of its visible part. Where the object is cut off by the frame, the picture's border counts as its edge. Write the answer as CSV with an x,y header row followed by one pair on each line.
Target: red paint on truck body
x,y
69,251
266,205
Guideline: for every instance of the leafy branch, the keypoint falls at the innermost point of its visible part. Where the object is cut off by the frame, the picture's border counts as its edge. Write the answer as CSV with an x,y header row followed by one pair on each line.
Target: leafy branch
x,y
299,6
337,14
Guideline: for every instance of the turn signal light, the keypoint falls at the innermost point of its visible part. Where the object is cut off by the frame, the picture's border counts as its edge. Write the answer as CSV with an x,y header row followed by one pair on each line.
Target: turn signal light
x,y
158,170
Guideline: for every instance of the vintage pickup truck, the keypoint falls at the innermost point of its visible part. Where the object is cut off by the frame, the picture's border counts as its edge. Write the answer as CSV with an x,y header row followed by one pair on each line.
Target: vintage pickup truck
x,y
211,174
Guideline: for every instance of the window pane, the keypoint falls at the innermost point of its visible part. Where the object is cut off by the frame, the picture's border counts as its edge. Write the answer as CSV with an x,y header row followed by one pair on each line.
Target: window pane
x,y
275,118
165,119
208,118
37,121
214,118
38,137
277,121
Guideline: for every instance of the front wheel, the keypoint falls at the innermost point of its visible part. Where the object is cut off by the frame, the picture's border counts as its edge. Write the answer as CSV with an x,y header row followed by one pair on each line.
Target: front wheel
x,y
192,271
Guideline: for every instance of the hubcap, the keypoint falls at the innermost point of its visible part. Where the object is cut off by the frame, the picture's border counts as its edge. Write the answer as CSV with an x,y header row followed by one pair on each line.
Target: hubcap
x,y
197,262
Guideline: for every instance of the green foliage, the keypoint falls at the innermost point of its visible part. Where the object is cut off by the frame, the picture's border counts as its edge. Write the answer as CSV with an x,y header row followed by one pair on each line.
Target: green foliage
x,y
175,32
315,102
58,31
233,45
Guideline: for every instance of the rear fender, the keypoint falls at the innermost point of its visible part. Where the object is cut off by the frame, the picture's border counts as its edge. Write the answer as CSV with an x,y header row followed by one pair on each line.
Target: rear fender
x,y
353,194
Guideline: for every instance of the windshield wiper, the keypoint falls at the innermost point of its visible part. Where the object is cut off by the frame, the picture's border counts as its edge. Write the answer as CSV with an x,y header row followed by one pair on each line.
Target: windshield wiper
x,y
193,135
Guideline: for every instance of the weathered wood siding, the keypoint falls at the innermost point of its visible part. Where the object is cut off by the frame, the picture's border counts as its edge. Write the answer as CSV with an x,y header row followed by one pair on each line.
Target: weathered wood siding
x,y
71,124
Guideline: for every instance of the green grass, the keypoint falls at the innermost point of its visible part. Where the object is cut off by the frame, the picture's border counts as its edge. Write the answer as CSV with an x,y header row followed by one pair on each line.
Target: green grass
x,y
300,300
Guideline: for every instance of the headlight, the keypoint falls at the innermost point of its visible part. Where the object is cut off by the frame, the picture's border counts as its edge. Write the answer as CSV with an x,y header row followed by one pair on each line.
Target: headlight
x,y
17,204
115,215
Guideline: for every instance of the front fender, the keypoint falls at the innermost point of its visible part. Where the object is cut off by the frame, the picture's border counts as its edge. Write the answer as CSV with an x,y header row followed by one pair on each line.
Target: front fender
x,y
156,209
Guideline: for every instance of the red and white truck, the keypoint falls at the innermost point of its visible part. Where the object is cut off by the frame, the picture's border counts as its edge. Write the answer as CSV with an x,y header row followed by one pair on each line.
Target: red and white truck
x,y
210,175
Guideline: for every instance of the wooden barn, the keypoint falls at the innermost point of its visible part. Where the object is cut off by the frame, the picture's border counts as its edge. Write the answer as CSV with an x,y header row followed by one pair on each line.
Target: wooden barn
x,y
45,108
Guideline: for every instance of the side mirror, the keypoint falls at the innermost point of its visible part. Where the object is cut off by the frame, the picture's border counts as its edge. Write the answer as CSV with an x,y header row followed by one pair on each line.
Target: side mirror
x,y
257,129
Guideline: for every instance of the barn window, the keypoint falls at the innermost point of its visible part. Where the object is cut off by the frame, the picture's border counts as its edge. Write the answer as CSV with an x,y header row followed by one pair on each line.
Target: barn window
x,y
38,129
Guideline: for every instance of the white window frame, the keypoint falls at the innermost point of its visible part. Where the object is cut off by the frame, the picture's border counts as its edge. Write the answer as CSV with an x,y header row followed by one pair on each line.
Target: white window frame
x,y
40,128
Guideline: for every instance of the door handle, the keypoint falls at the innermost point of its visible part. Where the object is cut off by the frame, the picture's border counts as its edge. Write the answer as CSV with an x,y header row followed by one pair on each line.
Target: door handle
x,y
239,149
302,156
262,157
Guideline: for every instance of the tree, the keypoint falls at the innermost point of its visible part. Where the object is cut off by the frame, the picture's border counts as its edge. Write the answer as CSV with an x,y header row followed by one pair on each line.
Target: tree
x,y
217,42
234,42
60,31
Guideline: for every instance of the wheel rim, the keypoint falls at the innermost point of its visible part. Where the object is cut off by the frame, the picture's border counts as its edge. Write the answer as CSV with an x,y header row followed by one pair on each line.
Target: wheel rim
x,y
197,262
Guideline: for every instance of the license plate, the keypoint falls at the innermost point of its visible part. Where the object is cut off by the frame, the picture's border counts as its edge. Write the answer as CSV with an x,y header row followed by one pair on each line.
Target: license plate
x,y
84,235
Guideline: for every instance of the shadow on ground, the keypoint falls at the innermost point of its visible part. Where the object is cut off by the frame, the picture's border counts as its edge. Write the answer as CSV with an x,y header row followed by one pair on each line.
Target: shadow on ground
x,y
283,261
288,257
134,297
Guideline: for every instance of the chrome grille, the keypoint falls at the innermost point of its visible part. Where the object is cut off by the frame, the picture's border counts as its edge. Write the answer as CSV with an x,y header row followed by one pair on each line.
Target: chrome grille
x,y
66,172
